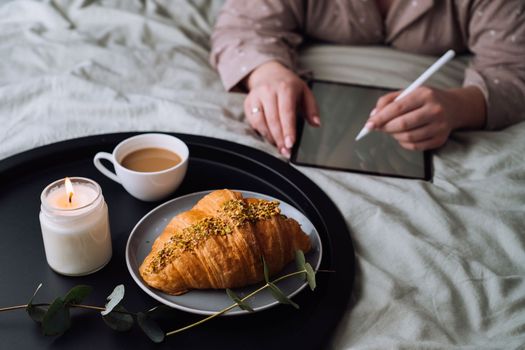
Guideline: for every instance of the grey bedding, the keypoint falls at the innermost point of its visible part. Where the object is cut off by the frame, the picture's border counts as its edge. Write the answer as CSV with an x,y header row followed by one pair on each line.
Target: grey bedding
x,y
439,265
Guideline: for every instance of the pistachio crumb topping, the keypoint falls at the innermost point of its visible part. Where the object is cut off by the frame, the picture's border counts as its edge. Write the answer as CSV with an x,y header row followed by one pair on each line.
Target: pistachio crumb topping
x,y
233,213
239,212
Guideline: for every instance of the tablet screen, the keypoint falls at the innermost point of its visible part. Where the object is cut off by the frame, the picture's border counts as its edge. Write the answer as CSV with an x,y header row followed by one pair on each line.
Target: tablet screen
x,y
344,109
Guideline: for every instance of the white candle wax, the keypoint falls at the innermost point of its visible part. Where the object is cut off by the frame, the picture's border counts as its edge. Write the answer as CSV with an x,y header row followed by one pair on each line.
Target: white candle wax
x,y
83,195
75,227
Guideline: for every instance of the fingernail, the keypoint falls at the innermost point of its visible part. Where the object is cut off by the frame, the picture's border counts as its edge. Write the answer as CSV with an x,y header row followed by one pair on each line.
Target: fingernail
x,y
285,152
369,125
373,112
316,120
288,142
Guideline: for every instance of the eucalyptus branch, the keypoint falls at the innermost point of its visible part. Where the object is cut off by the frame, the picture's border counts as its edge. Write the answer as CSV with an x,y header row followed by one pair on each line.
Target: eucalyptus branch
x,y
218,313
80,306
215,314
269,284
54,317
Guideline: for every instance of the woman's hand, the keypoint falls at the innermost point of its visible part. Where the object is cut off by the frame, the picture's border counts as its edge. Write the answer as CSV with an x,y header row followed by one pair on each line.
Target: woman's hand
x,y
425,118
276,93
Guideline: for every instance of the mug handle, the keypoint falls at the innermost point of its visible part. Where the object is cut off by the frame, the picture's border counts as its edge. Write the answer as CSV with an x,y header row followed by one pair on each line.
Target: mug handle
x,y
102,168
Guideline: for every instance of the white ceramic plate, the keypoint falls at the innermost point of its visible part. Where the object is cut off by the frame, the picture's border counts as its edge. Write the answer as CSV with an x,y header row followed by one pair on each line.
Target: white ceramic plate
x,y
207,302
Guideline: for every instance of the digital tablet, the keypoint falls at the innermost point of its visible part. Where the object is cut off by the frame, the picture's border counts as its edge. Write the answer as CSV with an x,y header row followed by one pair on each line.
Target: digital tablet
x,y
344,109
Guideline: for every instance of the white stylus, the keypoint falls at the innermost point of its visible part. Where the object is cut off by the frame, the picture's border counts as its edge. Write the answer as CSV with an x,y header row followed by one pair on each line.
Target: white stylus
x,y
417,83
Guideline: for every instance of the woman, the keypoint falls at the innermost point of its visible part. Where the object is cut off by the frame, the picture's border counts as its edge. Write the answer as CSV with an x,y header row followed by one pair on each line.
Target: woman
x,y
254,47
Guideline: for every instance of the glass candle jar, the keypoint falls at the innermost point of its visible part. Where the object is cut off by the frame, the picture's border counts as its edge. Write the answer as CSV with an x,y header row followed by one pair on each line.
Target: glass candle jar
x,y
75,226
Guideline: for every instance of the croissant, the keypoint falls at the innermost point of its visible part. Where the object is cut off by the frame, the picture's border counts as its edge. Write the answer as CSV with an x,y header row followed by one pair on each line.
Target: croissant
x,y
219,244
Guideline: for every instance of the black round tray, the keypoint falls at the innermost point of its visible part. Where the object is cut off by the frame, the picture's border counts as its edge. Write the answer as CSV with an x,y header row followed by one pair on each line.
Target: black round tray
x,y
213,164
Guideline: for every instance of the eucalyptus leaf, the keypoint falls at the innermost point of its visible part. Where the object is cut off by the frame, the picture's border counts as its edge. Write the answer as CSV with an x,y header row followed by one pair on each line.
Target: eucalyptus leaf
x,y
118,320
77,294
243,305
113,299
56,320
299,260
160,309
35,312
280,296
310,275
150,327
265,270
34,294
162,312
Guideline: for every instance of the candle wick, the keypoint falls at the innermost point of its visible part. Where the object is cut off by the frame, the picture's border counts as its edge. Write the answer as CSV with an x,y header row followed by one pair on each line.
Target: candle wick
x,y
70,197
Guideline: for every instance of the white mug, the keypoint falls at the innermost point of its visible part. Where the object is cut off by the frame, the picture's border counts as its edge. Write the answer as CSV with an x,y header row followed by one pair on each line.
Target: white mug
x,y
147,186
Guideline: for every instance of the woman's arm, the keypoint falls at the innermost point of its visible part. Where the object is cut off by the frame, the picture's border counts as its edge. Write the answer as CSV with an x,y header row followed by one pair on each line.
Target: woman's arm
x,y
493,93
497,39
254,47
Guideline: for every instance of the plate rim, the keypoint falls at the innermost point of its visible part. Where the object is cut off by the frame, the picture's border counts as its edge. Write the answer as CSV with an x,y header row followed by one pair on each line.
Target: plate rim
x,y
236,311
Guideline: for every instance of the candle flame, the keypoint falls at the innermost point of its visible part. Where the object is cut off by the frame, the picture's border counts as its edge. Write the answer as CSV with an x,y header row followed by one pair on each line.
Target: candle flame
x,y
69,189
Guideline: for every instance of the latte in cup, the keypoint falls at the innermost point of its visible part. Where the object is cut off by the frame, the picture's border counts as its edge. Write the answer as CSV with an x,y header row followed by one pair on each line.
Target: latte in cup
x,y
150,159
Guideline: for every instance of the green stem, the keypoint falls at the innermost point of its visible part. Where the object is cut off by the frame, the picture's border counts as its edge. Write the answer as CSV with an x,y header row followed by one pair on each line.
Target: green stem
x,y
234,305
288,275
98,308
80,306
13,308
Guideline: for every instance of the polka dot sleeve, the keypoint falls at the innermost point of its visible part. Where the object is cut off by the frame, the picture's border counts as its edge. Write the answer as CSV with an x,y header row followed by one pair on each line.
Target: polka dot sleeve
x,y
497,39
250,33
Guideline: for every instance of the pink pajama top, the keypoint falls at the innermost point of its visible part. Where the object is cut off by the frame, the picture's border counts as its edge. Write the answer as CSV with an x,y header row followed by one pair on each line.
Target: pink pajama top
x,y
248,33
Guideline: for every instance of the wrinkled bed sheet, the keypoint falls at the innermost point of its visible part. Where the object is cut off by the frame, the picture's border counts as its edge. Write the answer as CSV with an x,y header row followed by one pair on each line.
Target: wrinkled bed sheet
x,y
439,265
